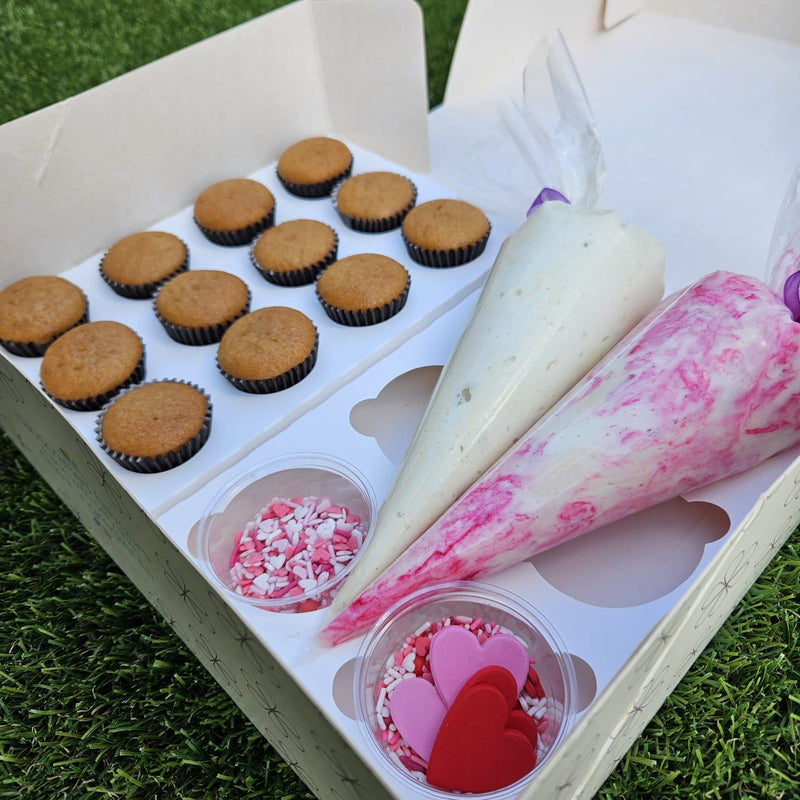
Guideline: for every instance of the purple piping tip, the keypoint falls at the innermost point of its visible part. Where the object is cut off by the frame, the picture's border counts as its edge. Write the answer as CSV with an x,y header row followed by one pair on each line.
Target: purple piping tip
x,y
545,195
791,295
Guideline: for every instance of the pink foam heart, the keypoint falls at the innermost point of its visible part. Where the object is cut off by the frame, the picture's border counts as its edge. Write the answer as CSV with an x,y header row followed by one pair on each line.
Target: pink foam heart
x,y
456,655
418,711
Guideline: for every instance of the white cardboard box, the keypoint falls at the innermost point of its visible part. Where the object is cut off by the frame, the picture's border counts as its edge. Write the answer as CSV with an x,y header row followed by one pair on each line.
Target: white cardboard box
x,y
694,109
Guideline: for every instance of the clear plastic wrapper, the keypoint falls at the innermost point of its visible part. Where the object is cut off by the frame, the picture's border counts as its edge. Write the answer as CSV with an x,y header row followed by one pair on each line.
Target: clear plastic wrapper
x,y
783,262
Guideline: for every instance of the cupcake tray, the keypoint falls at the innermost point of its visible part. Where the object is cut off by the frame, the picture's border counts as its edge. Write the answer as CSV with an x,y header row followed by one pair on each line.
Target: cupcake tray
x,y
633,614
241,421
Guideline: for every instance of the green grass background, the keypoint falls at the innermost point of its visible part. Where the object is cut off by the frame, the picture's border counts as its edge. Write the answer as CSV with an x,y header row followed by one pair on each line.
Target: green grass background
x,y
98,698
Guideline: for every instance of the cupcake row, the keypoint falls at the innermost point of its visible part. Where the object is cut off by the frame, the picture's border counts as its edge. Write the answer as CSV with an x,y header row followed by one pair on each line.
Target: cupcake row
x,y
438,233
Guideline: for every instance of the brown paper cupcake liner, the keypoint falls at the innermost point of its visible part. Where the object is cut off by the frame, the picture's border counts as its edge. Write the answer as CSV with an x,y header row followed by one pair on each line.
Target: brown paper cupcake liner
x,y
298,277
98,401
240,236
278,383
370,316
375,225
197,337
161,462
33,350
446,258
143,291
314,190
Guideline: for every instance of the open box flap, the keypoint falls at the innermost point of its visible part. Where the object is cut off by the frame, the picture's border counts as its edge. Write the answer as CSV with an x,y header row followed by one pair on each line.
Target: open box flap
x,y
180,123
497,36
695,122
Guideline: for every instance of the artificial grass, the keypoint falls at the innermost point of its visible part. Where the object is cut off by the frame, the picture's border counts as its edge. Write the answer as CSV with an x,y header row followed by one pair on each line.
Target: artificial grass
x,y
99,698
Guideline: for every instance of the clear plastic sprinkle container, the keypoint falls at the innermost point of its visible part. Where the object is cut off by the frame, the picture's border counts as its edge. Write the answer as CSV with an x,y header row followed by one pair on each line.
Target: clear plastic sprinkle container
x,y
285,535
397,647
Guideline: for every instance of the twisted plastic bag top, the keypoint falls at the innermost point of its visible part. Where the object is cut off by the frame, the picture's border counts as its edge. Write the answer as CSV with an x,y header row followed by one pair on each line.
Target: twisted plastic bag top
x,y
560,144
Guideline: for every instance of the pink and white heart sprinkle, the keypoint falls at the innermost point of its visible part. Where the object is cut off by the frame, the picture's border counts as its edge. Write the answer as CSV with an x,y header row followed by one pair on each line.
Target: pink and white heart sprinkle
x,y
294,547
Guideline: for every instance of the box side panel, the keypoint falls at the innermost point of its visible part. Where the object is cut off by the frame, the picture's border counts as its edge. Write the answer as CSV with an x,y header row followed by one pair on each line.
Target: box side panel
x,y
498,36
374,73
778,19
603,736
118,157
258,684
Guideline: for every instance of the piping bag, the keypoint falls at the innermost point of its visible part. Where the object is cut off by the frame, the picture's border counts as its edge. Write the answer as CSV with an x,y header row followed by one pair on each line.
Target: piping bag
x,y
706,386
529,338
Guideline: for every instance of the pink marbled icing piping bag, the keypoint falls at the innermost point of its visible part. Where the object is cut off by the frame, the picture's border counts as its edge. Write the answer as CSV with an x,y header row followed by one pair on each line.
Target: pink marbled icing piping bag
x,y
708,385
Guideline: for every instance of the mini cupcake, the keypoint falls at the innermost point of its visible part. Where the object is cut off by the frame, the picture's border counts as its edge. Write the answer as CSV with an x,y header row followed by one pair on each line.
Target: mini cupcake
x,y
138,264
197,307
233,212
445,233
363,289
35,311
268,350
294,253
155,426
312,167
374,202
85,367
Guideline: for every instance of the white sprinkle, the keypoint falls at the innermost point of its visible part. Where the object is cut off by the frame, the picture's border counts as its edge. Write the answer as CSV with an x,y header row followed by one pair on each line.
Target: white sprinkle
x,y
381,699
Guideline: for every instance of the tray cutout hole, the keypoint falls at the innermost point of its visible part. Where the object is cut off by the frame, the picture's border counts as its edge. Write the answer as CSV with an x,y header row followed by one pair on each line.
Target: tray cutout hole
x,y
637,559
392,417
587,682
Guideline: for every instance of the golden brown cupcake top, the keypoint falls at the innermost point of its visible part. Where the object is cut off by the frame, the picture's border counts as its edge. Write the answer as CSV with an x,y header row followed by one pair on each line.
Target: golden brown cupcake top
x,y
314,160
233,204
445,225
362,281
154,419
294,245
39,308
202,298
90,360
266,343
144,258
375,195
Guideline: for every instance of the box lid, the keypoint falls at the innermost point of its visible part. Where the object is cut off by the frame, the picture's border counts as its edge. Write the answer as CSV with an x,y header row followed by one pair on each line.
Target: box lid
x,y
697,122
139,147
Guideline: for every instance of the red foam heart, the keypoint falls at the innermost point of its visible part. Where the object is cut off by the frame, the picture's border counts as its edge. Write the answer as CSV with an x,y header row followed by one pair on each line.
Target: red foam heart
x,y
503,680
522,722
475,750
500,678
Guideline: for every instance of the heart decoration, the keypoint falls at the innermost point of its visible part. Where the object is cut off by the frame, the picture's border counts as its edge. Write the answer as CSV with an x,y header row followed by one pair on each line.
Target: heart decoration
x,y
456,654
418,711
476,749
